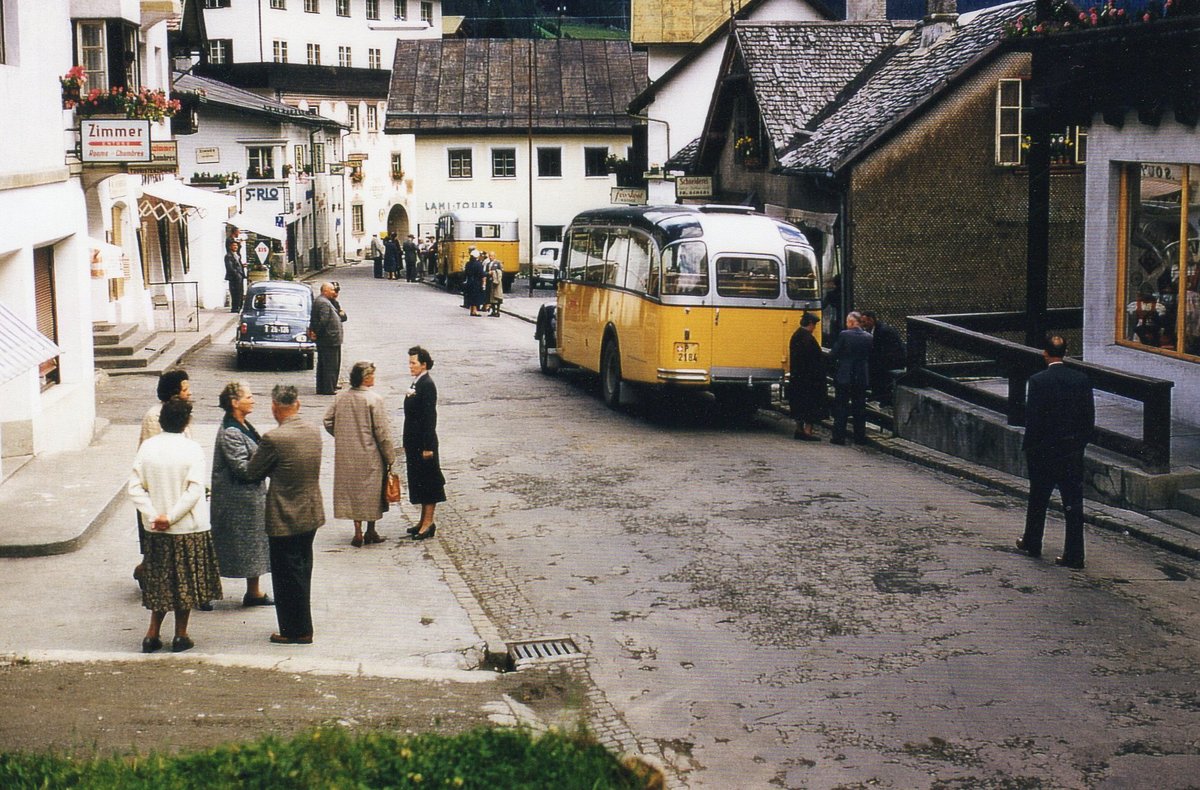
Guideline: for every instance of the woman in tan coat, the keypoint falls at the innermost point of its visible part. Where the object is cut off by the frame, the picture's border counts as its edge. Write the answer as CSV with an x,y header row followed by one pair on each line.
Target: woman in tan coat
x,y
363,453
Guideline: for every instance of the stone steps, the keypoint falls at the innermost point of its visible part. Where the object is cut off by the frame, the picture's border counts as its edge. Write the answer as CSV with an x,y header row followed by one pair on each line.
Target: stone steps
x,y
1188,500
104,334
134,352
1179,518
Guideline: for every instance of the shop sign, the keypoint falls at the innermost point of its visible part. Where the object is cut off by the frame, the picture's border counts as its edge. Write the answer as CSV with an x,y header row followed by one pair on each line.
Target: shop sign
x,y
208,156
164,158
693,187
628,195
456,205
264,195
356,157
112,140
262,251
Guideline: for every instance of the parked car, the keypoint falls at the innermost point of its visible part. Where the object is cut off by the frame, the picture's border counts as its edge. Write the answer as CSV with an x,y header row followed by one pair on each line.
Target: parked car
x,y
274,322
544,270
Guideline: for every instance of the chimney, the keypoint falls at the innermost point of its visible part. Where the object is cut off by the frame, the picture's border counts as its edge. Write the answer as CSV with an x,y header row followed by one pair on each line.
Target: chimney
x,y
863,10
941,17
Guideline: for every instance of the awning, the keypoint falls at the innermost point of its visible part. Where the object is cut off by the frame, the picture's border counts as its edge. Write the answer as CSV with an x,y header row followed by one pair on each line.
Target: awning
x,y
21,346
108,260
260,226
174,200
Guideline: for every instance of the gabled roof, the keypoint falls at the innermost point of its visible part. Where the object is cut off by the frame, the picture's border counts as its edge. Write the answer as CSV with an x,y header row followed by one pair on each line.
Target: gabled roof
x,y
678,21
452,85
797,69
905,80
223,95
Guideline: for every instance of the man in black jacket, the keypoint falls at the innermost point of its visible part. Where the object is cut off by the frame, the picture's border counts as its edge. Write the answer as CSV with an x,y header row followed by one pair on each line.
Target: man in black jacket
x,y
1060,418
235,273
887,355
851,355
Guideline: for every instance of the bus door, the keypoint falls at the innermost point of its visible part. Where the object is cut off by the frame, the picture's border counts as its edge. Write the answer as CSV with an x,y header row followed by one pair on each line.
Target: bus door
x,y
686,327
572,295
750,330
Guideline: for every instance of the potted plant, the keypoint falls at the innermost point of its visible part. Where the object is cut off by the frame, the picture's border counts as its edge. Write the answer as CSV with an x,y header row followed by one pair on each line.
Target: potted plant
x,y
72,86
746,148
142,105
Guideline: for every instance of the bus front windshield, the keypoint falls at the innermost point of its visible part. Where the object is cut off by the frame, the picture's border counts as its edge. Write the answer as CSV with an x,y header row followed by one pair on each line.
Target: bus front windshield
x,y
685,269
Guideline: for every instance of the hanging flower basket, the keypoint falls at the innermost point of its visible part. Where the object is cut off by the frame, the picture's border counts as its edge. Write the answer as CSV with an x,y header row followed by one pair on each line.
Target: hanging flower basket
x,y
72,84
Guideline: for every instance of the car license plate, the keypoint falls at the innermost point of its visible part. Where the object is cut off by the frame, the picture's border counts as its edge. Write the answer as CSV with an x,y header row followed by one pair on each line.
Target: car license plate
x,y
687,352
278,329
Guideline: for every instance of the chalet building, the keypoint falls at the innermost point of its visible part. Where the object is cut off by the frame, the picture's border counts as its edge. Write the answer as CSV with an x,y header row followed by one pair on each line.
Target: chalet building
x,y
519,124
907,170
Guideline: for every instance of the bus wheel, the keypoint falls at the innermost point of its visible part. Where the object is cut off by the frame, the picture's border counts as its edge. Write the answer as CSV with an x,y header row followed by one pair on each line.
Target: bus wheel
x,y
610,375
507,281
738,406
547,363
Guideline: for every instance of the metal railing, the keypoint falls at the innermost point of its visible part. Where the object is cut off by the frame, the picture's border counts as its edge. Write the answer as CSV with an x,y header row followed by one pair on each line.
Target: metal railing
x,y
1000,358
176,306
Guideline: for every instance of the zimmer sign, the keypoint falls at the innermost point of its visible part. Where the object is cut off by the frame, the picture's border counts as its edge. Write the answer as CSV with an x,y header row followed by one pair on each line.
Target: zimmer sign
x,y
110,140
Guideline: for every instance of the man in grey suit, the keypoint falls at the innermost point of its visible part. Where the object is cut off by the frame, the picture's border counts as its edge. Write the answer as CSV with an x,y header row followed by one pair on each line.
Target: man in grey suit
x,y
325,327
290,454
851,355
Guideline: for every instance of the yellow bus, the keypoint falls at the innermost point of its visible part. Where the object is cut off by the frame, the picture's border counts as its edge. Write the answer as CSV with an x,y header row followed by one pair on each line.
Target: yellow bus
x,y
487,229
701,297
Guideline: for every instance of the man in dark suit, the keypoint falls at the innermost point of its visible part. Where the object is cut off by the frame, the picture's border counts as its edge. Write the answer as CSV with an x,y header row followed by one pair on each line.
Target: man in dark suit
x,y
409,248
235,274
1060,416
290,455
325,327
887,354
851,354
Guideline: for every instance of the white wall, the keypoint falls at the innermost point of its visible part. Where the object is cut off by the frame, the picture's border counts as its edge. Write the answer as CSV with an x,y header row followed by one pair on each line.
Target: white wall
x,y
1107,146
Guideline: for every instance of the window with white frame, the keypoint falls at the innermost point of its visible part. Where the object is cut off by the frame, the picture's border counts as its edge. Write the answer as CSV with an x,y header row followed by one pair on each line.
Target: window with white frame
x,y
372,9
595,161
344,57
397,165
549,161
342,7
372,118
401,9
1009,134
427,12
504,163
220,50
99,45
90,37
374,58
356,219
460,162
314,54
262,161
352,116
216,3
279,5
312,6
279,51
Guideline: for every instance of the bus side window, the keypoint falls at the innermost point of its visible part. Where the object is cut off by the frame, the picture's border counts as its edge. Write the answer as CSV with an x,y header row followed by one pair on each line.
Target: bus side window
x,y
685,269
595,257
638,276
575,265
616,258
801,274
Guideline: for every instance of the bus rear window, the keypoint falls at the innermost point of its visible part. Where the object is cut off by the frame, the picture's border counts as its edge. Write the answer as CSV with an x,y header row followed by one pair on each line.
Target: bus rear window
x,y
801,274
488,231
685,269
749,277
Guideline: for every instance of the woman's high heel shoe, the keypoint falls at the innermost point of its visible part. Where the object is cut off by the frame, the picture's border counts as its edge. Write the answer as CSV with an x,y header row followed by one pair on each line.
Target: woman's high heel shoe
x,y
427,534
413,530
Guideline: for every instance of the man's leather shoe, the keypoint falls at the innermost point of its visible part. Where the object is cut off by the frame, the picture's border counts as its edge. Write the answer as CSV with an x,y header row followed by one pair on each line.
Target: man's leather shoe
x,y
1063,562
279,639
1030,552
837,441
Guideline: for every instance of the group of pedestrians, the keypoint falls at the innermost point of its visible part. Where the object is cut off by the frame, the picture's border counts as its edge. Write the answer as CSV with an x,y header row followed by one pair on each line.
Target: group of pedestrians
x,y
483,283
412,257
266,502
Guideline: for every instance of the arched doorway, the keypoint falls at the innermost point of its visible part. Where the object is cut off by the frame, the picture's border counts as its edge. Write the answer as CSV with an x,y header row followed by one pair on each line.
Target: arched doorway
x,y
397,223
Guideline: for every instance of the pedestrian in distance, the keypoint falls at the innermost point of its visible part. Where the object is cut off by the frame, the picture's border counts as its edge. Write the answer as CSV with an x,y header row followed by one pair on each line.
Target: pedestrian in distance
x,y
363,453
239,502
172,384
851,355
426,484
807,389
325,328
376,254
430,256
887,356
1060,416
290,454
410,258
235,275
391,257
494,277
167,485
474,277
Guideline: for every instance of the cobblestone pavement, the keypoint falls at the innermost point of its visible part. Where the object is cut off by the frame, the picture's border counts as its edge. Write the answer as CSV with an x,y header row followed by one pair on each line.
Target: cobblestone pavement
x,y
768,613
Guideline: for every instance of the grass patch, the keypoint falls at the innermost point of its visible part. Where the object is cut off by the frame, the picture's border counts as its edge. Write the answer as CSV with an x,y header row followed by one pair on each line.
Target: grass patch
x,y
334,758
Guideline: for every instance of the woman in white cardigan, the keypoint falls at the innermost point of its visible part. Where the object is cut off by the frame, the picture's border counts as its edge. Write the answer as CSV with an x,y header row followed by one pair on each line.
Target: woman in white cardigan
x,y
168,488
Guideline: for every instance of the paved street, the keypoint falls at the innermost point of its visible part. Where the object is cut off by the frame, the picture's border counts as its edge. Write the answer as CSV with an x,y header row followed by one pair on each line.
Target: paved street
x,y
757,612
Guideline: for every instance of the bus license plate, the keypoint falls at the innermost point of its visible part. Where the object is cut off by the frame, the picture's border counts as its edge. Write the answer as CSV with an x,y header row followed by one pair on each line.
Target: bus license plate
x,y
687,352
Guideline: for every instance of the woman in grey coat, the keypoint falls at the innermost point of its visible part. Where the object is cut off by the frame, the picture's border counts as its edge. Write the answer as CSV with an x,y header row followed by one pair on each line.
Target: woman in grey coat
x,y
363,453
239,504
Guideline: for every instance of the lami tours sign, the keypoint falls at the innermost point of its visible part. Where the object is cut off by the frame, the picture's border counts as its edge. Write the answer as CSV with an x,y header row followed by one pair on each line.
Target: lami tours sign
x,y
113,140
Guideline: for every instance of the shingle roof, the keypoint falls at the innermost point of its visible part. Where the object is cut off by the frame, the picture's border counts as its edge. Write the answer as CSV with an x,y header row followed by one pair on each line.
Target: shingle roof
x,y
797,69
220,93
906,79
483,84
685,158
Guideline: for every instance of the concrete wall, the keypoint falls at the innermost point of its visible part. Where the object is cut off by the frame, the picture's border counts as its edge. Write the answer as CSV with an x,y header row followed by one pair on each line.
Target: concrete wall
x,y
1169,142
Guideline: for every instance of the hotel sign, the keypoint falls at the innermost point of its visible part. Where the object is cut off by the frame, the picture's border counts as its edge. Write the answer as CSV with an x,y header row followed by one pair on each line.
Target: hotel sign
x,y
627,195
110,140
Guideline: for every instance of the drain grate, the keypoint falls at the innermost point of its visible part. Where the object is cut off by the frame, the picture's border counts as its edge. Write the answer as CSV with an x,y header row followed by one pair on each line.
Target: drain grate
x,y
551,649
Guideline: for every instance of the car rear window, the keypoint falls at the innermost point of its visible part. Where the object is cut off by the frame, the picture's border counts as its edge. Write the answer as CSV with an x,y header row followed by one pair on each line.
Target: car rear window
x,y
277,302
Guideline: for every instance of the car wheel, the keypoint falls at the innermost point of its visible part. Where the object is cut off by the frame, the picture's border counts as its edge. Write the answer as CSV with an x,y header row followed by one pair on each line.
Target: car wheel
x,y
546,362
610,375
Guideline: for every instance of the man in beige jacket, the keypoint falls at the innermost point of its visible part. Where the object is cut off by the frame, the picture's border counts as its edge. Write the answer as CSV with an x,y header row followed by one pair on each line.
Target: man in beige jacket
x,y
290,455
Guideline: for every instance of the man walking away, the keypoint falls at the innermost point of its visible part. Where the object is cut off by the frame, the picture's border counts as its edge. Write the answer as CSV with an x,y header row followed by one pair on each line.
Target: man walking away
x,y
410,259
290,455
887,354
235,273
851,355
377,255
1060,415
325,327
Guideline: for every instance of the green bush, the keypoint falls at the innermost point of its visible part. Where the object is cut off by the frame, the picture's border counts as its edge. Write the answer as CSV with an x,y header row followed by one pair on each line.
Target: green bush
x,y
334,758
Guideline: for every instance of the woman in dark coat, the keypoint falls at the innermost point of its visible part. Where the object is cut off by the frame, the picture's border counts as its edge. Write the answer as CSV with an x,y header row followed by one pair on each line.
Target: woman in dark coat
x,y
807,389
391,257
473,278
426,484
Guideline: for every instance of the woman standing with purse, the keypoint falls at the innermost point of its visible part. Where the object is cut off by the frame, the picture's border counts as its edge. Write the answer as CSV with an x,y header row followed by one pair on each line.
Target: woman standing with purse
x,y
426,484
363,453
